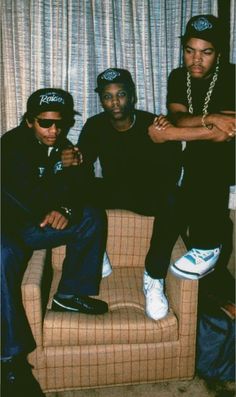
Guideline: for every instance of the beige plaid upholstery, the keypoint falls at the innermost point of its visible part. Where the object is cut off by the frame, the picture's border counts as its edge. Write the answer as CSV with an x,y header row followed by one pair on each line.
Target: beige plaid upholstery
x,y
124,346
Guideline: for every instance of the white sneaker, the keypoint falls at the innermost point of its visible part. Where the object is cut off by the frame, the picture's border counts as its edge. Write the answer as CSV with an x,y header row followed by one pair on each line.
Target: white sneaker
x,y
196,263
156,302
106,266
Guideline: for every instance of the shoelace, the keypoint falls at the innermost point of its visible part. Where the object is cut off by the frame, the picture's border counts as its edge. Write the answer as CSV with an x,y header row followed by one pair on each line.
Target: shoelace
x,y
155,290
199,256
153,285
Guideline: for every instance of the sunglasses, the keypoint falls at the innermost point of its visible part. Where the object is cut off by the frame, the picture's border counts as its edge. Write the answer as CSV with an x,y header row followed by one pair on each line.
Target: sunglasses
x,y
47,123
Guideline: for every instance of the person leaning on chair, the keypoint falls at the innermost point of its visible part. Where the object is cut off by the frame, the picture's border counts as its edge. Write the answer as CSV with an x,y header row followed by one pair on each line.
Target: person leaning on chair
x,y
201,105
38,212
137,175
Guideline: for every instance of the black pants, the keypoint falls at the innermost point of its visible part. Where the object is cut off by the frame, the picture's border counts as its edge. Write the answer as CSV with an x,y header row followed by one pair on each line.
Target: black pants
x,y
204,211
159,202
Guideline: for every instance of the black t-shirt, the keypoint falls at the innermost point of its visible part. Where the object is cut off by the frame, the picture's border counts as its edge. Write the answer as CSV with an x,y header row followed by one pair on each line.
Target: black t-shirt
x,y
206,161
130,158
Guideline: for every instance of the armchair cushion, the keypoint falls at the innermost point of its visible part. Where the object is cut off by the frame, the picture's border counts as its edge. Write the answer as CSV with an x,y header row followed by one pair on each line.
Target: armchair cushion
x,y
126,321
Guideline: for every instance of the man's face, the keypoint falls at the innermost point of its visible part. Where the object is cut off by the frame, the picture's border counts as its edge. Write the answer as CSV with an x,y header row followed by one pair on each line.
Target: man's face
x,y
199,57
47,126
116,101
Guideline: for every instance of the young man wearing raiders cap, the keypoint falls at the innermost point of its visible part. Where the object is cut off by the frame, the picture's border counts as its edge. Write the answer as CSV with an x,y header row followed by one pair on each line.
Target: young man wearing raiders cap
x,y
137,174
201,104
38,212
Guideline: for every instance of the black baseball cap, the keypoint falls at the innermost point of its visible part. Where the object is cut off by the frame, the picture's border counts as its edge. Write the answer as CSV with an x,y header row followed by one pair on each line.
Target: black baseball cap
x,y
51,99
116,76
204,27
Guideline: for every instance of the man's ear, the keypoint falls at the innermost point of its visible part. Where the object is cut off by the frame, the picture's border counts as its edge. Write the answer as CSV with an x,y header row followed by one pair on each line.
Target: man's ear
x,y
133,99
30,125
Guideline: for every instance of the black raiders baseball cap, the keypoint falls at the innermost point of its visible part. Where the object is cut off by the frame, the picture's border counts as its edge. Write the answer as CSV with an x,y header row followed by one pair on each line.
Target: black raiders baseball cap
x,y
51,99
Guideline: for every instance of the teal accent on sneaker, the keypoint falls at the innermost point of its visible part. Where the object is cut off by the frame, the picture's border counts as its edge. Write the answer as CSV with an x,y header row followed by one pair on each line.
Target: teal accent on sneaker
x,y
196,263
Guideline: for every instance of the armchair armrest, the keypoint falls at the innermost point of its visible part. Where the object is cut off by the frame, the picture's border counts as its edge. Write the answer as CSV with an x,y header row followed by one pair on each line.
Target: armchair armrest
x,y
31,289
183,297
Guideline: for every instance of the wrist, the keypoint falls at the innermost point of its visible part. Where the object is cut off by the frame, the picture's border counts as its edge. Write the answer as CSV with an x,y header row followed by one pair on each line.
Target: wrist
x,y
67,212
205,122
170,133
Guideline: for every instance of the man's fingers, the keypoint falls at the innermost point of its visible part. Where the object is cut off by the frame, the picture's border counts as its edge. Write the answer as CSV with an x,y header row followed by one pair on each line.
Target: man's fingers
x,y
71,156
44,221
55,219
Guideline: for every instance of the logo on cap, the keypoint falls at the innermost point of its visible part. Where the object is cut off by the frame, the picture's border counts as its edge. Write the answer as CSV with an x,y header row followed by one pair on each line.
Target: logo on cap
x,y
51,98
110,75
201,24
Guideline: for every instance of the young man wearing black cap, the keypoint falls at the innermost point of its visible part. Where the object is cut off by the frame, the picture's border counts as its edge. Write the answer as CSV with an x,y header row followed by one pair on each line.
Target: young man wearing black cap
x,y
38,212
137,174
201,104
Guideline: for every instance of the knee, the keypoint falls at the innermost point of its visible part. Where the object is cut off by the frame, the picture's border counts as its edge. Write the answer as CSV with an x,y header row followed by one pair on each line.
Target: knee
x,y
96,218
13,256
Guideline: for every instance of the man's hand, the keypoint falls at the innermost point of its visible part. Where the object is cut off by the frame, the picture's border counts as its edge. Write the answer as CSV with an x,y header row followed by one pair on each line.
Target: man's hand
x,y
56,220
224,121
157,130
221,136
71,156
161,122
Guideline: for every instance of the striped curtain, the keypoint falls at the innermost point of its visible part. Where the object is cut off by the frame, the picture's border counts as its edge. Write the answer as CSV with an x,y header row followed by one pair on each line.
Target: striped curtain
x,y
233,31
67,43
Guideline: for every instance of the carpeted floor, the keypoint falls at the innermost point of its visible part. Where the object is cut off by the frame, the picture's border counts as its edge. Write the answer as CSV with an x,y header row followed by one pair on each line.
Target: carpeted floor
x,y
195,388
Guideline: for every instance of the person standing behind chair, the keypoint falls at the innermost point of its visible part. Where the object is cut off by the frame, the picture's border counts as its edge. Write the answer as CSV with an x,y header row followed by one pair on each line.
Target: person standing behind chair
x,y
137,175
201,105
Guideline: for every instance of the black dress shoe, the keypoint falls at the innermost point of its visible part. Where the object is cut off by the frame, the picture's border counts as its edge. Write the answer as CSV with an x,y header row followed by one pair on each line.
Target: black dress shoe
x,y
17,379
80,304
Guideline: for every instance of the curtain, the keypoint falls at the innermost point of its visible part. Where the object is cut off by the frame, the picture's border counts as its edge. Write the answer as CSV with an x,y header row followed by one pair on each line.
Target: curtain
x,y
233,31
67,43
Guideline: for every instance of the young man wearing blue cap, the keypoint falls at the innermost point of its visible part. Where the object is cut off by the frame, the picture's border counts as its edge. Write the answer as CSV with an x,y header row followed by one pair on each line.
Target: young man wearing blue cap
x,y
137,175
38,211
201,104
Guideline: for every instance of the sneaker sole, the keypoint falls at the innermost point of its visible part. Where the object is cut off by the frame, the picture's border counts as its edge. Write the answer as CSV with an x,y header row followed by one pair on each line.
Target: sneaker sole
x,y
160,317
63,307
188,275
59,307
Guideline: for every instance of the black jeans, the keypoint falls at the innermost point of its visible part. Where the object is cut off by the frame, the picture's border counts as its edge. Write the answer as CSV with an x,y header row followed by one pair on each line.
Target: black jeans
x,y
158,201
81,273
204,209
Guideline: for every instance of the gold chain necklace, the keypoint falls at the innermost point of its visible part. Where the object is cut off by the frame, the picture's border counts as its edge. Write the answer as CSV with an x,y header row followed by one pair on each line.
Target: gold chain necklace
x,y
131,125
133,122
208,94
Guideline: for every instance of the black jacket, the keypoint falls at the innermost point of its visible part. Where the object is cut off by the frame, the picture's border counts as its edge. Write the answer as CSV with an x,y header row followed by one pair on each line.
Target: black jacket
x,y
34,183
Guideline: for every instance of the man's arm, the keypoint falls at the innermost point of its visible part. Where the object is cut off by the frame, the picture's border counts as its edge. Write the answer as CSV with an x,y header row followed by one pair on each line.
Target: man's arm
x,y
178,113
163,131
180,117
223,121
88,144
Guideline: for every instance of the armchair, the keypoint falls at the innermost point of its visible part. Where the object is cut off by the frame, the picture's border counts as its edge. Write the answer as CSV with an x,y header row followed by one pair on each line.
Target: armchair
x,y
124,346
